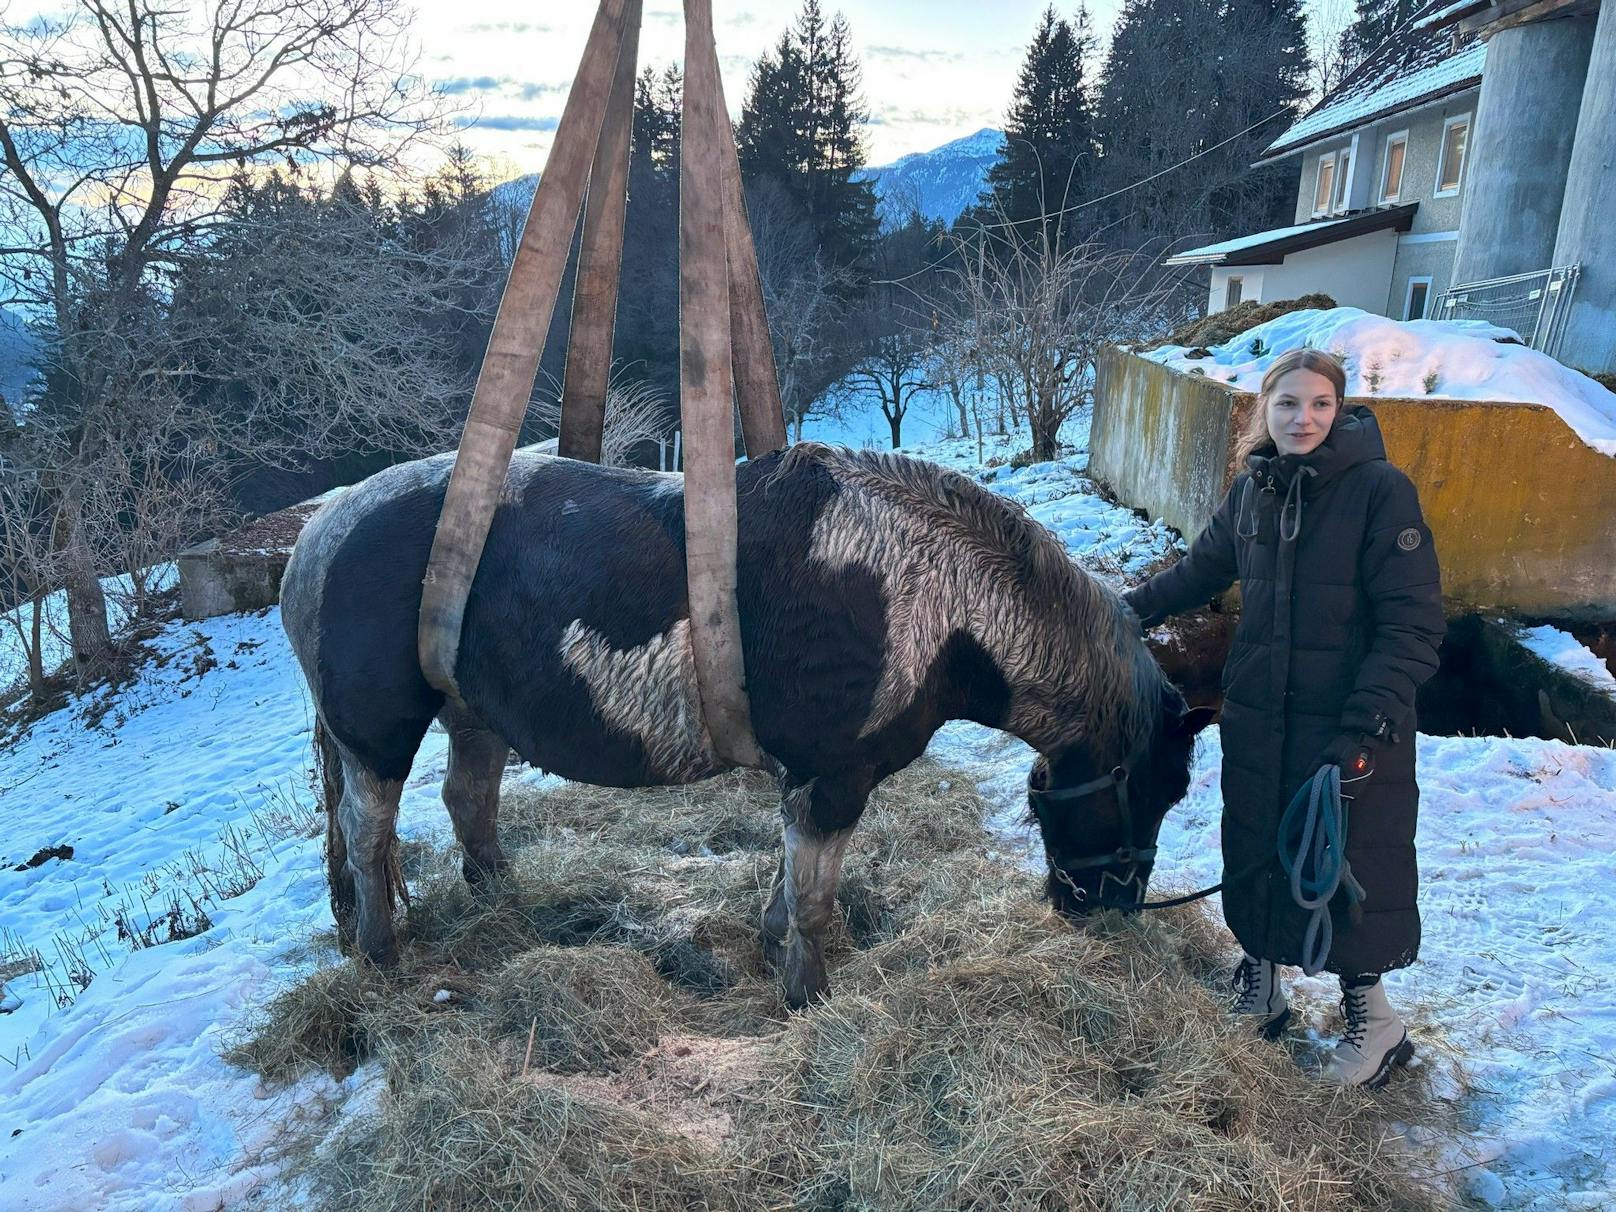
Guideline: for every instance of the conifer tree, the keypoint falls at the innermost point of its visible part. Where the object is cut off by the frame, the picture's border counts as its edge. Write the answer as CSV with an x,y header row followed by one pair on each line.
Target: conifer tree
x,y
1049,159
1375,22
802,127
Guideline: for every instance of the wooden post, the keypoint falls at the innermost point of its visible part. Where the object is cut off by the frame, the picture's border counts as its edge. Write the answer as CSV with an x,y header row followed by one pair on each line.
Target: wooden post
x,y
707,400
509,367
757,382
600,263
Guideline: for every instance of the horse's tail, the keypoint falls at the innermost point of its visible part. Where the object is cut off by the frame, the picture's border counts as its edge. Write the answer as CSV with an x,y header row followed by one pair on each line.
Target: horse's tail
x,y
328,768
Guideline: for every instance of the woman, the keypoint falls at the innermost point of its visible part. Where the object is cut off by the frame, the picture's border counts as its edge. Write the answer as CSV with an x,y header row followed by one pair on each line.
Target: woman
x,y
1340,620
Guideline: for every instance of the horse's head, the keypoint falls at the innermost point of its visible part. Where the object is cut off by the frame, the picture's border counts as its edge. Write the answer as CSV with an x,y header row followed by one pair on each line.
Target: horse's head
x,y
1100,813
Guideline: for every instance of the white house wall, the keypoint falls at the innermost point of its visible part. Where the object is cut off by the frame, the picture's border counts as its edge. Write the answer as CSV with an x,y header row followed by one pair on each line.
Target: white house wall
x,y
1355,273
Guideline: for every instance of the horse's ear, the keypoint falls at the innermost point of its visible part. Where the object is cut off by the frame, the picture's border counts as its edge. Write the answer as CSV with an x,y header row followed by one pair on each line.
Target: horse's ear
x,y
1195,719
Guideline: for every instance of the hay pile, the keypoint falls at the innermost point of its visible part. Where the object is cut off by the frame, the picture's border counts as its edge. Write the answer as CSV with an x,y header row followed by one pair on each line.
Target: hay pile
x,y
600,1033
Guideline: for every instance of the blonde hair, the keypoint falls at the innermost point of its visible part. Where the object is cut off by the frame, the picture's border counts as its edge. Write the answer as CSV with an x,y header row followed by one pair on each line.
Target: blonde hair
x,y
1254,433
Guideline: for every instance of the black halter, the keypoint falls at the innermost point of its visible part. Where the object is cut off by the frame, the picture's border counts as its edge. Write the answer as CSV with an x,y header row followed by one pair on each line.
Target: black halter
x,y
1125,855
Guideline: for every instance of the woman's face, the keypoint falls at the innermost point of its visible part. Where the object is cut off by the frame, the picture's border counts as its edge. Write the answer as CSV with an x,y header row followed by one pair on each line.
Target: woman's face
x,y
1300,411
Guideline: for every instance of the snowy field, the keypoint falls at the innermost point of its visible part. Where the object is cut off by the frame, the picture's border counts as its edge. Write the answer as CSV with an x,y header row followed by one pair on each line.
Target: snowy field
x,y
118,1099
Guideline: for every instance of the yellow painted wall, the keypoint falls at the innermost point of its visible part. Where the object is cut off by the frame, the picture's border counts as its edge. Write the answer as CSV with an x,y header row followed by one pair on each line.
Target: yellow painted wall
x,y
1523,512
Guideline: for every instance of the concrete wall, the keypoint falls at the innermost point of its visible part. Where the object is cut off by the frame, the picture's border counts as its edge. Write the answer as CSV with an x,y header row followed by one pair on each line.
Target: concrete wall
x,y
1161,440
1526,120
1585,225
1520,507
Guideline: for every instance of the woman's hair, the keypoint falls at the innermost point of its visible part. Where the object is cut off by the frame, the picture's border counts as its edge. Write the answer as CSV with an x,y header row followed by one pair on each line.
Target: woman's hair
x,y
1254,433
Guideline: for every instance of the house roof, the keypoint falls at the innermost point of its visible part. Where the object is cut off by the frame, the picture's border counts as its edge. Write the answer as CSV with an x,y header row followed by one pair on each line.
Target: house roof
x,y
1271,247
1422,61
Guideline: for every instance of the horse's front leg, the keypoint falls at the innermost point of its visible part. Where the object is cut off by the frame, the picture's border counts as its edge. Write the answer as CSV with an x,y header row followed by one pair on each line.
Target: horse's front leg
x,y
818,818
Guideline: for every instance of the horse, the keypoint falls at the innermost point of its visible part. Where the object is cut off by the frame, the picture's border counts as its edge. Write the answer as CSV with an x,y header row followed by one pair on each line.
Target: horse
x,y
880,596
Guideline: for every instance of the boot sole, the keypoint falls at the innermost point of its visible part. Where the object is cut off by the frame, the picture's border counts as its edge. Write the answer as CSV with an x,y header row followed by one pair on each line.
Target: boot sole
x,y
1396,1058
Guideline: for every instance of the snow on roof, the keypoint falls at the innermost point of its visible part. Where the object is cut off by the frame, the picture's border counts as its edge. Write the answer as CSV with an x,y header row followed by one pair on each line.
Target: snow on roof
x,y
1271,247
1240,243
1417,63
1415,359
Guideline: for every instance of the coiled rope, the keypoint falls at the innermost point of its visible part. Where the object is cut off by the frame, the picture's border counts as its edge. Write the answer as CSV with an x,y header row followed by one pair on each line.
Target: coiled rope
x,y
1313,852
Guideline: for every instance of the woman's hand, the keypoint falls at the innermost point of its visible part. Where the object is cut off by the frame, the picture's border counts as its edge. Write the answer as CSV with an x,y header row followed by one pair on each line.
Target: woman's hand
x,y
1353,752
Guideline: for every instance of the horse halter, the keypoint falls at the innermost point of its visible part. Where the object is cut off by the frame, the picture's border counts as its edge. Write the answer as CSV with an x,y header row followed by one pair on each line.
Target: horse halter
x,y
1125,855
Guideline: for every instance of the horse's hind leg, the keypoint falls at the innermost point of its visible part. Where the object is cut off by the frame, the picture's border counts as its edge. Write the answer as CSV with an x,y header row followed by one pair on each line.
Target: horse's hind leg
x,y
819,818
776,917
471,791
367,815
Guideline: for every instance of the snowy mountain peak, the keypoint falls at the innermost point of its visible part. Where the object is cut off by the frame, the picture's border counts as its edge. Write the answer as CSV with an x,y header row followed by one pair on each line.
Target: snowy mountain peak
x,y
940,183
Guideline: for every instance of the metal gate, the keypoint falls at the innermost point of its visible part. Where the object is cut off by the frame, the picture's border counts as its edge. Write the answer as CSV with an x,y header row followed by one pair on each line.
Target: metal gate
x,y
1535,305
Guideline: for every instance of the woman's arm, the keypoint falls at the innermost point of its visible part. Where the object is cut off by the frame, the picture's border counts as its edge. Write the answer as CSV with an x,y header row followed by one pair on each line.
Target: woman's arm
x,y
1398,570
1207,569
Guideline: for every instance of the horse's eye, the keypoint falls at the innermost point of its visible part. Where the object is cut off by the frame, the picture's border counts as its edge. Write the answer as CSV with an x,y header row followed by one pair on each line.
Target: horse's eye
x,y
1038,776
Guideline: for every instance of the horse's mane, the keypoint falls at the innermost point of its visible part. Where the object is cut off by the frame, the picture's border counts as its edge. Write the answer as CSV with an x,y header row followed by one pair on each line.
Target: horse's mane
x,y
1123,692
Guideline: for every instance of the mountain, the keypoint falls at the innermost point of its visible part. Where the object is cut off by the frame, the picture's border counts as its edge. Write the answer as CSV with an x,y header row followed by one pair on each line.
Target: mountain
x,y
17,349
941,182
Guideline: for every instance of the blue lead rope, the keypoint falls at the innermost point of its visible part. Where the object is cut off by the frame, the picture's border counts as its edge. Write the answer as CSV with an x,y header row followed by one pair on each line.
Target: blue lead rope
x,y
1313,851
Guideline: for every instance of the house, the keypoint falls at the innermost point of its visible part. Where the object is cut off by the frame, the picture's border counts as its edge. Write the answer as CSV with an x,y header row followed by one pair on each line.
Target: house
x,y
1465,169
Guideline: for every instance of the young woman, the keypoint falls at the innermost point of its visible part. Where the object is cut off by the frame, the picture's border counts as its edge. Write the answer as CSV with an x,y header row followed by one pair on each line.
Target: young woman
x,y
1340,620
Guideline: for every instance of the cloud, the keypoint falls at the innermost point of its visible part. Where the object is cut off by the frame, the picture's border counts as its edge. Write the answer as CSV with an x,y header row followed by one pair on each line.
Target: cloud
x,y
509,27
898,115
470,84
509,122
912,54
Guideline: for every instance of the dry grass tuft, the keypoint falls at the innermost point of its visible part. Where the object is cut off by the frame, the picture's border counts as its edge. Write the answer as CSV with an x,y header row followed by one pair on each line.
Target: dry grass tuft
x,y
976,1052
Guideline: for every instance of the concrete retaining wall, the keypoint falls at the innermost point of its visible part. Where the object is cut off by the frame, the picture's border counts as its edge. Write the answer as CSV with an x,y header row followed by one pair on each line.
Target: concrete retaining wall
x,y
1523,512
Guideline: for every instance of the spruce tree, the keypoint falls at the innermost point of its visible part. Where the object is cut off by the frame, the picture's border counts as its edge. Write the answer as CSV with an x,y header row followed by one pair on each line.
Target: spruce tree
x,y
1048,161
1374,23
802,127
1193,92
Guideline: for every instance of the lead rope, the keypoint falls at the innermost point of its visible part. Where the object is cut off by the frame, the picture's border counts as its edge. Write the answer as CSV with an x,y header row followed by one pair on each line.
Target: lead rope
x,y
1313,852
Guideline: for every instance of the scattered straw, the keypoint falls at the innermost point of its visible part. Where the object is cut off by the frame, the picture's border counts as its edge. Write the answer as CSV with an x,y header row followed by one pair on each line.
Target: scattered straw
x,y
616,1043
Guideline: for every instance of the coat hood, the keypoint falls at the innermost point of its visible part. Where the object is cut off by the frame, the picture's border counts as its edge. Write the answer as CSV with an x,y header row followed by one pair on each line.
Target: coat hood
x,y
1353,440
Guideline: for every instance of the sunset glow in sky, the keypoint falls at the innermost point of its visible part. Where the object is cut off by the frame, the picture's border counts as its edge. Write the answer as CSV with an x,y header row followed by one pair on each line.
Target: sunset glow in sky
x,y
934,70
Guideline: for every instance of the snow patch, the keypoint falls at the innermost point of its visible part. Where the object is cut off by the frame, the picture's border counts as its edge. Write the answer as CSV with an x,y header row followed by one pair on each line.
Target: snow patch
x,y
1414,359
1564,650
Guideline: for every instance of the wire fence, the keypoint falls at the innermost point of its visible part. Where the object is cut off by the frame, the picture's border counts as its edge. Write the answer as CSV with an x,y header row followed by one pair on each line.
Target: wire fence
x,y
1534,305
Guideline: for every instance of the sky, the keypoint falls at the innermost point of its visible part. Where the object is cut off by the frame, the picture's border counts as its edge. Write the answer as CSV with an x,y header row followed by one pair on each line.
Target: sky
x,y
934,70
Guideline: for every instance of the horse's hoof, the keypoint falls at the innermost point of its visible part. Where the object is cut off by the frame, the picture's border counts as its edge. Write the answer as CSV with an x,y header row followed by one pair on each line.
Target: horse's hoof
x,y
481,871
382,955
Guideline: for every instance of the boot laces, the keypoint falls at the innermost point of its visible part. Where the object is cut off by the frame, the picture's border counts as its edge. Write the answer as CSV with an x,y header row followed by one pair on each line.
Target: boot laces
x,y
1246,977
1355,1009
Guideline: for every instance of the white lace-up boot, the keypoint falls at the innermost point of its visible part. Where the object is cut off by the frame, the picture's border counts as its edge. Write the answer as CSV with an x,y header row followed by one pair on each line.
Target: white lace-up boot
x,y
1374,1042
1259,997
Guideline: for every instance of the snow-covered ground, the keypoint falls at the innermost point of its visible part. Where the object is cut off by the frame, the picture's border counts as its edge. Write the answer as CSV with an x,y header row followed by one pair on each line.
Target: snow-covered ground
x,y
119,1100
18,623
1414,359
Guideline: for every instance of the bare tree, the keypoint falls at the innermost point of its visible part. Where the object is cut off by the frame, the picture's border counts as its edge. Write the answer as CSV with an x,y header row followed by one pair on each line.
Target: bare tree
x,y
1039,311
802,295
120,127
1329,51
29,564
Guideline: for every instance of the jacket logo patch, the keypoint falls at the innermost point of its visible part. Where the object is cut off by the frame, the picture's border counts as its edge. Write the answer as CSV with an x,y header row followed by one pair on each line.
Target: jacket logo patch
x,y
1409,539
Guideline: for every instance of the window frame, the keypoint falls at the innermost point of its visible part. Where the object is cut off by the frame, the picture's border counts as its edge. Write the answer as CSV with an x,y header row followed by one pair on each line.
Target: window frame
x,y
1318,180
1408,296
1342,199
1442,154
1235,283
1389,198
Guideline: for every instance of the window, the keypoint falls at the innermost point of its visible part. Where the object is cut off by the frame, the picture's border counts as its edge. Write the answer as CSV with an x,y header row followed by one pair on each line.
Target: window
x,y
1450,164
1231,292
1324,190
1391,177
1334,182
1418,298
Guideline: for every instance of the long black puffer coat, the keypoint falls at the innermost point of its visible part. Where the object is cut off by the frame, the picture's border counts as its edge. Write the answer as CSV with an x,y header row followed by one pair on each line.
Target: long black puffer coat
x,y
1340,621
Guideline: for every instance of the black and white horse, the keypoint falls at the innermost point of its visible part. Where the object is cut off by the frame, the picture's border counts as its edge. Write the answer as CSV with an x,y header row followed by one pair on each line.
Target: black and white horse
x,y
879,597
